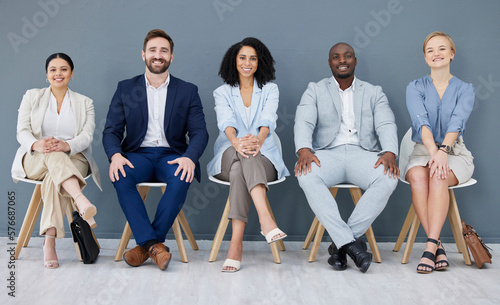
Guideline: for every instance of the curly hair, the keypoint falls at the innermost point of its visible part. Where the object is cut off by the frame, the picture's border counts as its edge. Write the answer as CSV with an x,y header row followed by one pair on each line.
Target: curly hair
x,y
265,70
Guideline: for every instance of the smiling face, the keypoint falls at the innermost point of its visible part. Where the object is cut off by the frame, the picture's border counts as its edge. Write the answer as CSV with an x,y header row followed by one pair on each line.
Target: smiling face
x,y
438,52
342,61
59,73
157,55
247,62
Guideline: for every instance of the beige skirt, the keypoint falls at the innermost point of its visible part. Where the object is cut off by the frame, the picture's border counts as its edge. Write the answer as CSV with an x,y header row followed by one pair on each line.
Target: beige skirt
x,y
460,160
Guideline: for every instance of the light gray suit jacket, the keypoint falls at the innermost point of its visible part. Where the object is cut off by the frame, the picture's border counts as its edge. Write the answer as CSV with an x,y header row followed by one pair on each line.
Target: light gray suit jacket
x,y
29,127
319,114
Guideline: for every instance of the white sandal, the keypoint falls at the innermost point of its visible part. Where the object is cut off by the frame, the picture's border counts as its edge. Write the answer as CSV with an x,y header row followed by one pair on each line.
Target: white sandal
x,y
50,264
231,263
269,236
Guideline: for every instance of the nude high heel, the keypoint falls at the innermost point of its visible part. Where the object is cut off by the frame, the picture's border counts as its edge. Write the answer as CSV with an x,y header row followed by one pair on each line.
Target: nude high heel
x,y
91,222
88,212
50,264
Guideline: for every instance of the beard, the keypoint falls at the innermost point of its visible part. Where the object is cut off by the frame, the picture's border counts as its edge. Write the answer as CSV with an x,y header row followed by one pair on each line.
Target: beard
x,y
346,75
157,70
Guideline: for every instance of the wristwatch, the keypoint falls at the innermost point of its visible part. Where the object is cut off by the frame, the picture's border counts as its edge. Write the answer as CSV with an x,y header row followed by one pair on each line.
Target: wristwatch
x,y
446,147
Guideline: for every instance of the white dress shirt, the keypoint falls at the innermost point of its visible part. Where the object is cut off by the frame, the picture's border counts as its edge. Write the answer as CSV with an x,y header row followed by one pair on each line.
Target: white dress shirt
x,y
347,133
59,125
157,99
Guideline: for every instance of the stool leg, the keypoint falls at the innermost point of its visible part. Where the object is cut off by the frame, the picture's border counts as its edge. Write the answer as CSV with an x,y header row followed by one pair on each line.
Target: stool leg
x,y
281,245
404,229
29,221
180,241
456,222
219,235
69,217
127,233
34,219
356,195
317,241
310,234
411,239
187,230
276,252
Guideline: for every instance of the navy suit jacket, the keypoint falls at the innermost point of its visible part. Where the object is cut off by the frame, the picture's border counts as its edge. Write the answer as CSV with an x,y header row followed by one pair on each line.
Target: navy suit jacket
x,y
128,114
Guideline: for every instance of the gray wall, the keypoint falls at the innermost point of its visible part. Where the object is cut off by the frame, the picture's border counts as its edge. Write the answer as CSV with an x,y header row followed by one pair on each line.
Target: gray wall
x,y
104,38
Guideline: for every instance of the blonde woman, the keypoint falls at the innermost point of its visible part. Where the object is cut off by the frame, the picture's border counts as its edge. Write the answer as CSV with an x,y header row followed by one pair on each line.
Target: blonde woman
x,y
439,105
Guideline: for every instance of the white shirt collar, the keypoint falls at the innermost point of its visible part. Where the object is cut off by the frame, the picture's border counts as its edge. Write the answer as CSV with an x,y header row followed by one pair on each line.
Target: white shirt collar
x,y
351,87
165,84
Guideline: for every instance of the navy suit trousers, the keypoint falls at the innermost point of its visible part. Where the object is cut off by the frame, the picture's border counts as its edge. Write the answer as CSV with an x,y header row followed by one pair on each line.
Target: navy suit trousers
x,y
150,165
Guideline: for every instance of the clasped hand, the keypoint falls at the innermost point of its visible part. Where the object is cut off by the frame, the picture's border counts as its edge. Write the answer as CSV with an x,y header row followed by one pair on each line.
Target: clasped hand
x,y
248,145
50,144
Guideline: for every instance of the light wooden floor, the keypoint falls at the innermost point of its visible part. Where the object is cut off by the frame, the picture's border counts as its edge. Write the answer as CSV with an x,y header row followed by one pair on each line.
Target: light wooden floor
x,y
260,281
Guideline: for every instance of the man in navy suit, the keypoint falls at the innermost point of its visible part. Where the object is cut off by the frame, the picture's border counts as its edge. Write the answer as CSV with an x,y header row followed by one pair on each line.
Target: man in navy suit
x,y
149,122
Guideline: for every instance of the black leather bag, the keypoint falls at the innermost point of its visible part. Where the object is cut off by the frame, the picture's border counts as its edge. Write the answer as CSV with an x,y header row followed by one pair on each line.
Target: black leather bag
x,y
82,234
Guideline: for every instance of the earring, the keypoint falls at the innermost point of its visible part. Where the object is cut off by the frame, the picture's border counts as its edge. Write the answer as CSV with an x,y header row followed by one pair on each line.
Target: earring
x,y
47,80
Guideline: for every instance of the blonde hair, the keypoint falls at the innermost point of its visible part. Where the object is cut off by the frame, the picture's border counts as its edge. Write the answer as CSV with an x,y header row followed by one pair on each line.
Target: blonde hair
x,y
437,33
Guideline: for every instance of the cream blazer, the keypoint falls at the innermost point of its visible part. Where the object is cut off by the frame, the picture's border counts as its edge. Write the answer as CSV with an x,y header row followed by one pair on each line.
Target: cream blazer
x,y
29,128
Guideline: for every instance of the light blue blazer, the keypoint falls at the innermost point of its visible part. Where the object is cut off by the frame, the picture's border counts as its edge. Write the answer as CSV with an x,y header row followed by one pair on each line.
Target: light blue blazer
x,y
230,112
319,114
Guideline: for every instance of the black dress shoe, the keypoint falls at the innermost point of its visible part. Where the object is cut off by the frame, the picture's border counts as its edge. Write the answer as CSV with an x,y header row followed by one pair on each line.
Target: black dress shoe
x,y
338,258
357,251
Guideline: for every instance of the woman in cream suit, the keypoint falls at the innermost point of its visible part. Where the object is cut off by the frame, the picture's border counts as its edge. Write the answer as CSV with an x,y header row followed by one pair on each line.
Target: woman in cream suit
x,y
439,105
55,128
246,153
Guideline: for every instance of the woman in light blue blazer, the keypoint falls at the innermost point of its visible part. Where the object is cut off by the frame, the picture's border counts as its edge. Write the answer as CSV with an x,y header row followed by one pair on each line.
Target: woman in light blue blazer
x,y
246,153
439,105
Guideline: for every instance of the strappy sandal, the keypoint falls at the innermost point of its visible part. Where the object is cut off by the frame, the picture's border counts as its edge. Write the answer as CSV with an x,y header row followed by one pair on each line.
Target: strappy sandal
x,y
50,264
429,255
444,262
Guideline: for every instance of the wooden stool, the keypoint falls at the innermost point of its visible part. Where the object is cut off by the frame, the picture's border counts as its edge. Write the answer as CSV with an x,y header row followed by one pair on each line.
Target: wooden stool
x,y
31,217
224,221
317,229
143,189
412,223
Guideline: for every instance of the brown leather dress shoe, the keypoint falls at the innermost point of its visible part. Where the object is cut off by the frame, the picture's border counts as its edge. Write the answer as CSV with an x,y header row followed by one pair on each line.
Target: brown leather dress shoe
x,y
136,256
160,255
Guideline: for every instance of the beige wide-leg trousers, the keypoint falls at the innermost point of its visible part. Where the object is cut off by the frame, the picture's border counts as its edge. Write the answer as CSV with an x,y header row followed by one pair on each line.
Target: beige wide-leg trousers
x,y
244,174
53,169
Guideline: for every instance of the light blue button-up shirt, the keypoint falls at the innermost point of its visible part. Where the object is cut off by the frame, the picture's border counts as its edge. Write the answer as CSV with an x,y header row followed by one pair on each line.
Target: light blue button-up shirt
x,y
448,114
230,112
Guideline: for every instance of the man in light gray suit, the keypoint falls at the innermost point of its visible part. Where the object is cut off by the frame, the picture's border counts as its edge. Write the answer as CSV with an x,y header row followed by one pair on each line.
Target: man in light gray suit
x,y
344,130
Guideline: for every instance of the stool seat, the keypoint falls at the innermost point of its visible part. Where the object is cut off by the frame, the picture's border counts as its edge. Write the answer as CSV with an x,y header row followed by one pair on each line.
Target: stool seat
x,y
180,221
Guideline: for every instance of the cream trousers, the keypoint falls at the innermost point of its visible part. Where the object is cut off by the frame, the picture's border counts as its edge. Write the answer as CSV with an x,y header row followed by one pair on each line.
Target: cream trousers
x,y
53,169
